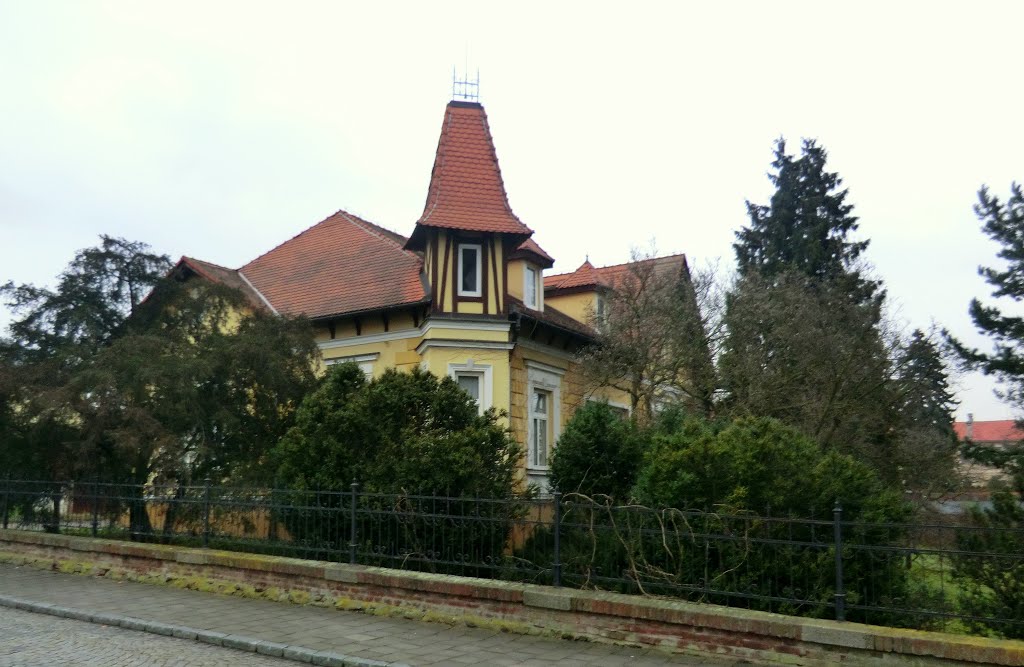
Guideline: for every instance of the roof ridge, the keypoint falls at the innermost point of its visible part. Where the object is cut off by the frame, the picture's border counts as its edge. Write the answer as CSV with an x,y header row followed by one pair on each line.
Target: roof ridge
x,y
282,243
342,212
375,229
613,266
632,261
203,261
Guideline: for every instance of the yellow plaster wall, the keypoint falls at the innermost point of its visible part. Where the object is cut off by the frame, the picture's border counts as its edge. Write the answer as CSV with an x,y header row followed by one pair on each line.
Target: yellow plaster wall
x,y
437,359
515,278
370,324
400,354
444,333
572,392
579,306
446,274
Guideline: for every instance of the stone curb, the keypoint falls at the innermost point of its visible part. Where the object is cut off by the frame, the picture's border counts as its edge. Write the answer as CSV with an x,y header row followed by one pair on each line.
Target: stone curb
x,y
238,642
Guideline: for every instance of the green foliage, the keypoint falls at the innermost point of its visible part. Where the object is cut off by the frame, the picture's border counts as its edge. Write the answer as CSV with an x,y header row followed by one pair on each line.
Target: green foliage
x,y
805,227
599,452
402,432
401,436
1003,222
714,543
95,295
805,354
121,373
993,586
927,454
195,387
759,465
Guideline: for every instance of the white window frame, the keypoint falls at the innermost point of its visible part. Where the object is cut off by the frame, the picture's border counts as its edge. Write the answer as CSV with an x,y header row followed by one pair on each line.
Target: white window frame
x,y
534,417
364,361
537,293
600,310
546,378
483,371
479,291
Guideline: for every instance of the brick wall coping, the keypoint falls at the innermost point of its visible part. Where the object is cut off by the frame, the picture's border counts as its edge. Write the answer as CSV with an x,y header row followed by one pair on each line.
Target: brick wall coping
x,y
827,634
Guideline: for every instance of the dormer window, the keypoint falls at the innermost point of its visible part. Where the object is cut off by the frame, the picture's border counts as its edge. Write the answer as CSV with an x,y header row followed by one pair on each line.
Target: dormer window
x,y
470,274
531,288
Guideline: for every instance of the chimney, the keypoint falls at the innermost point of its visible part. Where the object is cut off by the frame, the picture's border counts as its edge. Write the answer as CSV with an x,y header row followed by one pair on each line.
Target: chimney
x,y
970,426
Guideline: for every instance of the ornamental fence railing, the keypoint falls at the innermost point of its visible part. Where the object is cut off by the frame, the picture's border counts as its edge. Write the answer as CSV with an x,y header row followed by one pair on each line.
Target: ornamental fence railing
x,y
943,576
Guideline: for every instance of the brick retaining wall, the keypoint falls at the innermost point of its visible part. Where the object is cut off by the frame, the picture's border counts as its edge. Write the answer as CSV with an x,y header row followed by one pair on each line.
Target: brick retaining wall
x,y
607,617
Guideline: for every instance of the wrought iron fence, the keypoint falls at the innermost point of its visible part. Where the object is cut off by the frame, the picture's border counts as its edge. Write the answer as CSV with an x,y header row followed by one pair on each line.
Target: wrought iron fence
x,y
916,575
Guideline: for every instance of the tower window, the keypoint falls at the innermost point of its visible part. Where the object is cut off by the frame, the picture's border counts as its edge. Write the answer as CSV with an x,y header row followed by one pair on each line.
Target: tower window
x,y
531,288
470,273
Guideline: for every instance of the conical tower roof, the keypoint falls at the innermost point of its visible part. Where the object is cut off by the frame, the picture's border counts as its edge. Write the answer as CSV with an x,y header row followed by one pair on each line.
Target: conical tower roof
x,y
466,190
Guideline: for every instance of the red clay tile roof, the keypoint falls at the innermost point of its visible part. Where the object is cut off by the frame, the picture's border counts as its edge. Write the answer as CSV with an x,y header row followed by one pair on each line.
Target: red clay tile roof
x,y
990,431
341,265
607,276
466,190
529,248
222,275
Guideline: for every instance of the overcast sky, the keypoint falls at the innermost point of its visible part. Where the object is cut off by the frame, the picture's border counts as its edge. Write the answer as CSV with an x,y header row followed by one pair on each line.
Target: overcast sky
x,y
220,129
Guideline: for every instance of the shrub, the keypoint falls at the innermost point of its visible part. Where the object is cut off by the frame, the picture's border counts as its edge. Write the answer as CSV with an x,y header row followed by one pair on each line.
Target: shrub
x,y
599,452
401,436
992,586
758,466
716,543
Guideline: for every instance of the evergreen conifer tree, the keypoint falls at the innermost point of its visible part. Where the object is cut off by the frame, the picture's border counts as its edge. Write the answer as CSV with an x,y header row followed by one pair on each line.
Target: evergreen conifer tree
x,y
806,225
1003,222
926,455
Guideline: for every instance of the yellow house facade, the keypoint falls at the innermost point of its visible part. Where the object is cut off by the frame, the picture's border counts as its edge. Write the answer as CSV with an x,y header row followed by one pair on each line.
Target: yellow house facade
x,y
464,295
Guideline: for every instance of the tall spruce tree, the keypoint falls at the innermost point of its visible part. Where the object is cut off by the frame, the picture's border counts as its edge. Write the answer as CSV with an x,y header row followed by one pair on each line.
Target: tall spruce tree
x,y
1003,222
925,403
805,227
997,592
804,339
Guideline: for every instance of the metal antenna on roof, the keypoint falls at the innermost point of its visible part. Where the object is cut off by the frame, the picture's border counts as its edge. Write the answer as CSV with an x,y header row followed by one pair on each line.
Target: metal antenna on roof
x,y
466,89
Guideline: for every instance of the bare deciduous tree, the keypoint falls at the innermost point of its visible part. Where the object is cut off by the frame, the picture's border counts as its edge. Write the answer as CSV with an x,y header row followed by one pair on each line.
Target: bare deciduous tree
x,y
658,334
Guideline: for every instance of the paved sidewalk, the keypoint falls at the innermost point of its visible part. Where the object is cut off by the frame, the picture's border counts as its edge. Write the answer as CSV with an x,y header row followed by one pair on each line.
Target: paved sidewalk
x,y
35,640
350,633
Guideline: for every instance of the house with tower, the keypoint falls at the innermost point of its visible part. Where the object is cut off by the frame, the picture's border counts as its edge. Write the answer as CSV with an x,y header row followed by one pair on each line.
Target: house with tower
x,y
464,295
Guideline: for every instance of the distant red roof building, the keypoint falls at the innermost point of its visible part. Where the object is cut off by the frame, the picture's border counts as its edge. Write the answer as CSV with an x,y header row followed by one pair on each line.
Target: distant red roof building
x,y
989,432
588,276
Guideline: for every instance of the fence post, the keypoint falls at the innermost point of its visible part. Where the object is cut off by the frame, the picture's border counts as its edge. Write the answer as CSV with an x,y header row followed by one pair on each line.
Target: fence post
x,y
352,543
95,508
206,513
7,498
837,521
272,528
556,568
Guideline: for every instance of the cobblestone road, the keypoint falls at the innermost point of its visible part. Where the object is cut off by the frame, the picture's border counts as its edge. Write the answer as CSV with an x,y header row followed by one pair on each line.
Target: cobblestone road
x,y
35,640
